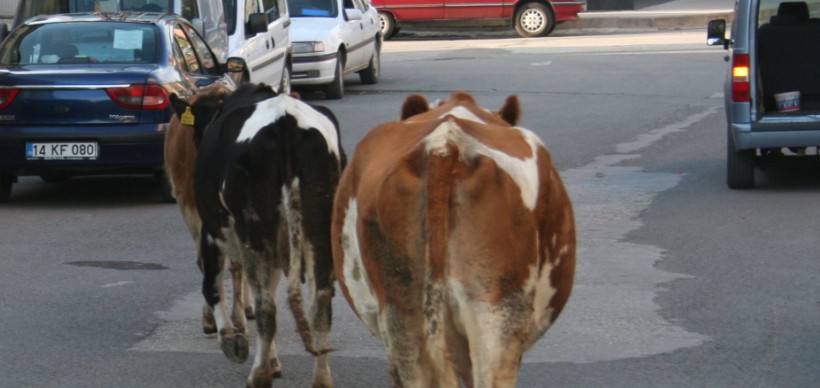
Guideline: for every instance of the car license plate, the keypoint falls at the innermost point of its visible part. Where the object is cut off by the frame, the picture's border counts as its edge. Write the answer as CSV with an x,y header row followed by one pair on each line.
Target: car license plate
x,y
62,151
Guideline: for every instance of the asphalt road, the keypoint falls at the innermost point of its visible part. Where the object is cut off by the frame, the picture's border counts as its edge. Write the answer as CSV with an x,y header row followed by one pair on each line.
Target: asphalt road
x,y
681,282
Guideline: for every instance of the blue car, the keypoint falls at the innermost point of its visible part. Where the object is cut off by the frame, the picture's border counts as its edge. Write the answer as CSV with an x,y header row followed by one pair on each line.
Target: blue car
x,y
88,93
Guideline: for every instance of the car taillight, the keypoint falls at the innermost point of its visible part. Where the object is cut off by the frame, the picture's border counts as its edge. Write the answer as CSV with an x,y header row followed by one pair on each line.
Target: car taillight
x,y
7,96
139,96
740,78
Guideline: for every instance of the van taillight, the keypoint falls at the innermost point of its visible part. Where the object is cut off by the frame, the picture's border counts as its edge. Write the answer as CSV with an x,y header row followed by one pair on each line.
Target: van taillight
x,y
740,78
138,96
7,96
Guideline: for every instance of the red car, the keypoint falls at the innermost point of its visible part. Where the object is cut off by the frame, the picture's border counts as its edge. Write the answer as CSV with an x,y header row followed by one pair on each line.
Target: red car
x,y
531,18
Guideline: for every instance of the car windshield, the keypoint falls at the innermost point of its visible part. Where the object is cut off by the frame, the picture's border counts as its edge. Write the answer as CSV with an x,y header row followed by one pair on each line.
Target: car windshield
x,y
313,8
81,42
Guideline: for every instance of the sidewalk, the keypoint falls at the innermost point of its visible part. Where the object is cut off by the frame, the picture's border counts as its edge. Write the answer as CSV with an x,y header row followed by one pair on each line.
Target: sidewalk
x,y
671,15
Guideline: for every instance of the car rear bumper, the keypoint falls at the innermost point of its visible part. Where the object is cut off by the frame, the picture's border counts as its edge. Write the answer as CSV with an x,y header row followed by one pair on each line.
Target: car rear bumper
x,y
567,11
121,149
745,138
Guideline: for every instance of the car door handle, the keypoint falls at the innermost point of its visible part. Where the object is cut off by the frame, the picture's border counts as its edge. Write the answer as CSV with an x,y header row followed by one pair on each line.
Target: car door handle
x,y
273,42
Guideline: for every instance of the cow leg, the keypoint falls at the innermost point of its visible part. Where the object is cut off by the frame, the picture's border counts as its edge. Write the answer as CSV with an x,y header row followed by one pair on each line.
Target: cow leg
x,y
263,279
403,341
320,313
315,329
238,309
247,298
234,344
496,346
208,322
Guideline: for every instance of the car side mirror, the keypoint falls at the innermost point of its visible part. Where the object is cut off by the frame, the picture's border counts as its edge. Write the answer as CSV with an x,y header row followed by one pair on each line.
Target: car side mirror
x,y
257,22
353,14
235,65
716,33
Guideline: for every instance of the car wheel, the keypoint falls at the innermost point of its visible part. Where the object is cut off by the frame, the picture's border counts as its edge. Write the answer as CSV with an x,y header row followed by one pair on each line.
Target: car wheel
x,y
5,188
387,25
740,166
370,75
336,89
284,83
534,20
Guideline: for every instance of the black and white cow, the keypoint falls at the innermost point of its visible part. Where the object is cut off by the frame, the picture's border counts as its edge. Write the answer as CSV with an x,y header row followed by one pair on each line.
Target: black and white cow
x,y
265,177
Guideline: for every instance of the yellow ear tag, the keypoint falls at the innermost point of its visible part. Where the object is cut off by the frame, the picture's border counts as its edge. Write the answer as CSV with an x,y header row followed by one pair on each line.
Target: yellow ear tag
x,y
187,117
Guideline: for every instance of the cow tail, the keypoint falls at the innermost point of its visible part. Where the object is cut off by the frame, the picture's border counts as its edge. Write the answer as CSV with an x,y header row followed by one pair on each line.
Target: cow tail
x,y
438,188
293,207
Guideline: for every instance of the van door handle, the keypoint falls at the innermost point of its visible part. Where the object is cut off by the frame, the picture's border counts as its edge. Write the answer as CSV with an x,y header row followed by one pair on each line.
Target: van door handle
x,y
273,42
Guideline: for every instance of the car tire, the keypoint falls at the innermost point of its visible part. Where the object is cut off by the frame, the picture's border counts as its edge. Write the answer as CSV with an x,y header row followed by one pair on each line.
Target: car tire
x,y
6,183
370,75
534,20
387,25
284,83
336,89
740,166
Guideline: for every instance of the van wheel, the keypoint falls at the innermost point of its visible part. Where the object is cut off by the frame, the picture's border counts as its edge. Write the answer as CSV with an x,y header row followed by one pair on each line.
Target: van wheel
x,y
5,188
534,20
740,166
336,89
370,75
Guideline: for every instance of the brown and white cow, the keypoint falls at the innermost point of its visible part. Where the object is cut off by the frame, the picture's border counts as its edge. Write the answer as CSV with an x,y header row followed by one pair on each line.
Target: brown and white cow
x,y
264,180
454,242
180,159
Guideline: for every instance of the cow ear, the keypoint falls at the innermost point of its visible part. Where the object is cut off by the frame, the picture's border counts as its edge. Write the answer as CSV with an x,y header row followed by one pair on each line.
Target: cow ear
x,y
511,111
413,105
179,105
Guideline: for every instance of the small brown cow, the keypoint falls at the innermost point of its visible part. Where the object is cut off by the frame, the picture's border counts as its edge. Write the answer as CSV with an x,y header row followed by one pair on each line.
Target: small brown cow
x,y
454,242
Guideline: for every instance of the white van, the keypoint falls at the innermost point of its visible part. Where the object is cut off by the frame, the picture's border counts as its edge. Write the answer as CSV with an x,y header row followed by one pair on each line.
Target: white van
x,y
259,32
205,15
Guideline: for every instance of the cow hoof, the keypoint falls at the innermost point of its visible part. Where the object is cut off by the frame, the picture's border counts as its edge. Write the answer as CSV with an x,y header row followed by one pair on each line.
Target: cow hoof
x,y
276,368
235,347
208,322
249,313
260,380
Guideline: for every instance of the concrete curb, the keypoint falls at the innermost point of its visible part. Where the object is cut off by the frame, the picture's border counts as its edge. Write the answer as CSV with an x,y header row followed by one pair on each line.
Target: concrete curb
x,y
637,20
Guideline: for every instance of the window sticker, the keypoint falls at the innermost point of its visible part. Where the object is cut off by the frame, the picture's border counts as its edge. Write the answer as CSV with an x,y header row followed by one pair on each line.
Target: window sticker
x,y
127,39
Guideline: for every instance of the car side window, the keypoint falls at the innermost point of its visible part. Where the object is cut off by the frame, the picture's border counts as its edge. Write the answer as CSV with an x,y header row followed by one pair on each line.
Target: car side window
x,y
271,9
362,5
251,6
190,9
203,53
184,51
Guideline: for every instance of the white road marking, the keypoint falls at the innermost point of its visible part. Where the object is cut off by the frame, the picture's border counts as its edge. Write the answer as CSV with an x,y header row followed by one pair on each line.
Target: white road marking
x,y
116,284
